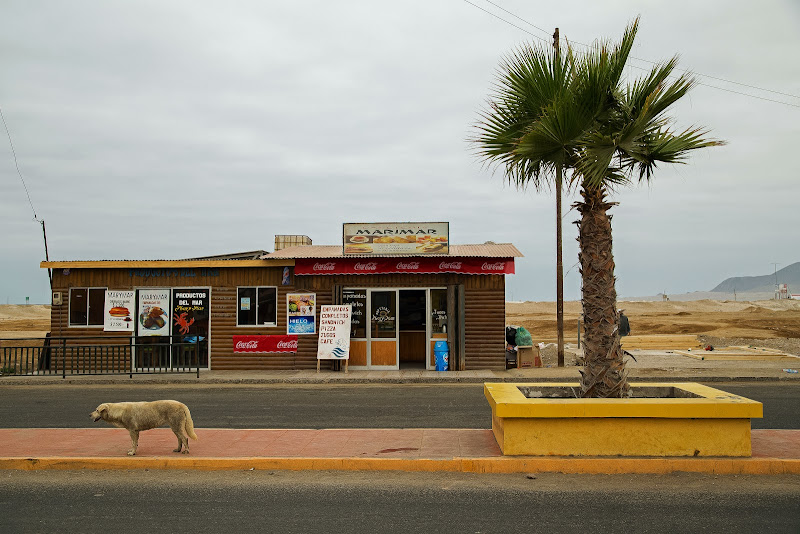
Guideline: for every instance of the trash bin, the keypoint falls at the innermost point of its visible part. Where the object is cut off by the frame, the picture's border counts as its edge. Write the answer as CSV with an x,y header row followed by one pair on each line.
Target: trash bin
x,y
440,351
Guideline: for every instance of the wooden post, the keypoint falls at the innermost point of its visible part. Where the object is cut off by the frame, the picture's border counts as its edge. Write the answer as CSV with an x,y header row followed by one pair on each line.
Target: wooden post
x,y
559,265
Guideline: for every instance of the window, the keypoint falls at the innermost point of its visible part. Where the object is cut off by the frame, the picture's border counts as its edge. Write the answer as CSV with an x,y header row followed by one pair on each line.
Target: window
x,y
257,306
86,306
384,314
438,311
358,321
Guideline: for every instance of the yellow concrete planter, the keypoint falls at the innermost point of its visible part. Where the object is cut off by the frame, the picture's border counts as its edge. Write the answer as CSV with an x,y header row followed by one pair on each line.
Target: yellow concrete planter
x,y
695,420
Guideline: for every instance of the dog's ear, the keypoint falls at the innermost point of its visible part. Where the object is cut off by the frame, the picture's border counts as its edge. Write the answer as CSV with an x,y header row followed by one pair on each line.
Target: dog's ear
x,y
102,408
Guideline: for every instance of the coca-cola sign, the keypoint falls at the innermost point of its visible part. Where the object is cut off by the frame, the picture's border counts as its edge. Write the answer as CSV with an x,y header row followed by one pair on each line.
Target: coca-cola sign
x,y
450,266
408,266
370,266
265,344
329,266
496,266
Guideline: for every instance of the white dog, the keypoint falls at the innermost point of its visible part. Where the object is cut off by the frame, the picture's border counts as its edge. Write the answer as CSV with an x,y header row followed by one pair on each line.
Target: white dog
x,y
138,416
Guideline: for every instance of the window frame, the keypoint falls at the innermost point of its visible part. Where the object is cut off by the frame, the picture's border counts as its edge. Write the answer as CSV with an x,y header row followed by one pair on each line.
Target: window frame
x,y
70,324
256,325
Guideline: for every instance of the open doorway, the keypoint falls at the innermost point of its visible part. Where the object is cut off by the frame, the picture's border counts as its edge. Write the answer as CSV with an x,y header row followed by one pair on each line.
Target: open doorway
x,y
412,314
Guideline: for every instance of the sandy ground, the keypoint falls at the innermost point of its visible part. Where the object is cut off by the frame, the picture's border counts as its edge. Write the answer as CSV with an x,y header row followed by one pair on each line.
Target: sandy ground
x,y
763,319
654,325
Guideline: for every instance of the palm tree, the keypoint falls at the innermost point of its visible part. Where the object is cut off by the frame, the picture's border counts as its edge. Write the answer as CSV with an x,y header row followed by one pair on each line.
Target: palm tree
x,y
605,133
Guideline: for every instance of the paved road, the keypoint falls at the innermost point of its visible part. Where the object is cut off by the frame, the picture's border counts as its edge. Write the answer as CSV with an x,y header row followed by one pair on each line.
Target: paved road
x,y
318,406
388,502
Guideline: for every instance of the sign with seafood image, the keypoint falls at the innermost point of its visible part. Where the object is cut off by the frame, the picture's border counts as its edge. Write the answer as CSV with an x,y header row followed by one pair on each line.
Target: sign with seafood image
x,y
153,307
119,311
396,238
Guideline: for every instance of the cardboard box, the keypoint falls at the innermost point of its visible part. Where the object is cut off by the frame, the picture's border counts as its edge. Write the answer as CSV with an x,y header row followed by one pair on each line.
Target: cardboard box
x,y
528,356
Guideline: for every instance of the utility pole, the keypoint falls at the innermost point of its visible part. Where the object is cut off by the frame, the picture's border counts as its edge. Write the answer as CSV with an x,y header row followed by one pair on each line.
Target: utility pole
x,y
559,265
775,265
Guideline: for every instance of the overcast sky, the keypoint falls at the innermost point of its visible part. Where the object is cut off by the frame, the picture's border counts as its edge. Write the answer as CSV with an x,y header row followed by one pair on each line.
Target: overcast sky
x,y
152,129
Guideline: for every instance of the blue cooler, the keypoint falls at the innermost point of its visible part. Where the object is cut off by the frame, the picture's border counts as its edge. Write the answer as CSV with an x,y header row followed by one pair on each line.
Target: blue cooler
x,y
440,351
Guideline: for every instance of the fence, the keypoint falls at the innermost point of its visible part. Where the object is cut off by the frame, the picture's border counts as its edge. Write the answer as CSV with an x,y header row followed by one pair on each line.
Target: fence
x,y
111,355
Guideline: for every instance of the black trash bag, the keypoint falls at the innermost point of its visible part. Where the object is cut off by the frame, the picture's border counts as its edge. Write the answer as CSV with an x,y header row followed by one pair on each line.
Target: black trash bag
x,y
511,336
624,325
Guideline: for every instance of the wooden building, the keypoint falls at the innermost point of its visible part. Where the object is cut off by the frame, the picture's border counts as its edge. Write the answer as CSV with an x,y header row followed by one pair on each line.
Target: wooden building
x,y
254,311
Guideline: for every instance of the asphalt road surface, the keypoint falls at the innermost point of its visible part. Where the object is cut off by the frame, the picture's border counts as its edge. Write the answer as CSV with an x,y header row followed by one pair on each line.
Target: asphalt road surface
x,y
318,406
388,502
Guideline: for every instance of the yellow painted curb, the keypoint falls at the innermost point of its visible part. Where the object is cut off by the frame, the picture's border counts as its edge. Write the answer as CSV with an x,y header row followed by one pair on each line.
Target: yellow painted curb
x,y
497,465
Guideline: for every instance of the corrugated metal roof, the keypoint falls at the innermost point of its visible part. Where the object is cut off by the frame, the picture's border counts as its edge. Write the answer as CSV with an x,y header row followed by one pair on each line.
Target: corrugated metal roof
x,y
251,255
486,250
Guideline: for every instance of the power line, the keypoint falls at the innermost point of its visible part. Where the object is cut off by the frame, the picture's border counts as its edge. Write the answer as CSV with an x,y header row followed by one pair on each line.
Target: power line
x,y
13,152
515,16
507,22
730,90
647,60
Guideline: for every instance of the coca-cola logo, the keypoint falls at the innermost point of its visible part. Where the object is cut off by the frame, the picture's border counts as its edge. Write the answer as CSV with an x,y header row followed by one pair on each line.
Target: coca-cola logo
x,y
410,266
247,344
287,344
324,266
498,266
371,266
450,265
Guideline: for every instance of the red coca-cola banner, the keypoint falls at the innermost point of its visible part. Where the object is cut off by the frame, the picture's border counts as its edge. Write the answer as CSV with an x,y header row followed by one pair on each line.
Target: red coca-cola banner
x,y
404,265
285,343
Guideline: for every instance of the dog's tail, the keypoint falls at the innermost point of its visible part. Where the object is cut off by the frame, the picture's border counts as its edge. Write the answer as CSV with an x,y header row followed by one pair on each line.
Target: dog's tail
x,y
189,425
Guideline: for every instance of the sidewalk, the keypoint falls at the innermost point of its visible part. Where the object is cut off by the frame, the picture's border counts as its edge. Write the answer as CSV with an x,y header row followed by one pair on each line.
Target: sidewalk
x,y
460,450
649,365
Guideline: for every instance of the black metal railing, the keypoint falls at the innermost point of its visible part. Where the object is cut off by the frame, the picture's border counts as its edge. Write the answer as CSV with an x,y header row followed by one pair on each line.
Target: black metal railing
x,y
106,355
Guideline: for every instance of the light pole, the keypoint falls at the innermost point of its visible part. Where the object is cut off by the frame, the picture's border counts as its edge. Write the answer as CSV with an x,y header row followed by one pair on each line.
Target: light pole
x,y
775,265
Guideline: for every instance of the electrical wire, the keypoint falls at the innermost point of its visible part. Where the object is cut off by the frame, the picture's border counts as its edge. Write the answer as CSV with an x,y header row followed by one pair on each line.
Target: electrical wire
x,y
14,153
700,75
507,22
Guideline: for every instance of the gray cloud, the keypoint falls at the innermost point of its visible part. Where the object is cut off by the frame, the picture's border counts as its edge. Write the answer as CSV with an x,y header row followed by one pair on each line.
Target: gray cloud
x,y
207,127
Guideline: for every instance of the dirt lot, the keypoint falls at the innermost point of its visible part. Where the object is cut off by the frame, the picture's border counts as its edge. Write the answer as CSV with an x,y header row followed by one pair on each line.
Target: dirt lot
x,y
24,321
656,325
670,325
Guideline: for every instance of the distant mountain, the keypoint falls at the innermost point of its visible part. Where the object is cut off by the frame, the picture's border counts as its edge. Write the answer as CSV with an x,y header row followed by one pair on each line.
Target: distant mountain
x,y
788,275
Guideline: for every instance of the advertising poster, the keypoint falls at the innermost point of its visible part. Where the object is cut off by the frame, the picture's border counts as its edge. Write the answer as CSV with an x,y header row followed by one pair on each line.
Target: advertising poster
x,y
396,238
334,332
118,311
301,310
190,311
153,308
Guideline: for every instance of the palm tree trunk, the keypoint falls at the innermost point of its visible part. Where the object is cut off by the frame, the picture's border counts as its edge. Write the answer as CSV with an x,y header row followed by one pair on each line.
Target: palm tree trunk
x,y
604,373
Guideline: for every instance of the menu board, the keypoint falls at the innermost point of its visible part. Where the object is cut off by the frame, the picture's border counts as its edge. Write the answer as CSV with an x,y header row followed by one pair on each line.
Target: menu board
x,y
118,311
396,238
334,333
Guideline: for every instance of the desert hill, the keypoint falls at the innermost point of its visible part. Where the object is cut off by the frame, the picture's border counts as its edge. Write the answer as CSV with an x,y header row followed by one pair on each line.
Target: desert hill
x,y
764,283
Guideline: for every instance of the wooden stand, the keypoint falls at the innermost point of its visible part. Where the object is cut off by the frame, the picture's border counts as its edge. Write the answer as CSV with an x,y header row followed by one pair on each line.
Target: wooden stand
x,y
346,365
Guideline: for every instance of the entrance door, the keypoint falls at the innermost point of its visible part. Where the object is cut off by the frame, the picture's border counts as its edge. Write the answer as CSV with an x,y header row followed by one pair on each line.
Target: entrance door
x,y
383,330
412,312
